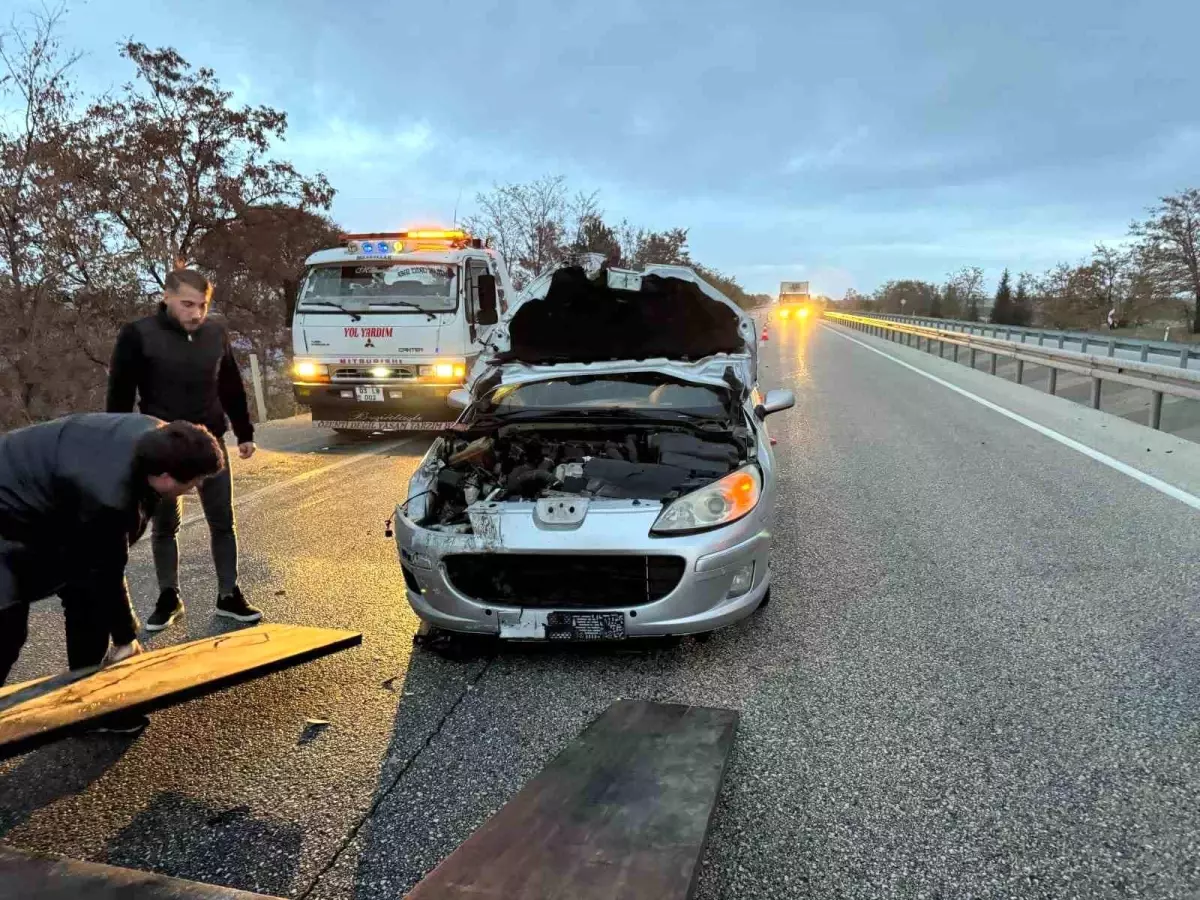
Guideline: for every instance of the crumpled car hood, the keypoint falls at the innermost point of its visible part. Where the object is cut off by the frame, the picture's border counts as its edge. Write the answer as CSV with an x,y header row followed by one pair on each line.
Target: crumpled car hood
x,y
588,319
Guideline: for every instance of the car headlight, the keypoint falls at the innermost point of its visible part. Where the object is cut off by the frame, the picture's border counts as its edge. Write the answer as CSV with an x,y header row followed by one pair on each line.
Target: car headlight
x,y
713,505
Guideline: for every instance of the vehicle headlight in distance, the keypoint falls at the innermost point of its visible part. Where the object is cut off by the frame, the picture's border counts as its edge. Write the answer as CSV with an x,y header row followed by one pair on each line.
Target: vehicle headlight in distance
x,y
714,505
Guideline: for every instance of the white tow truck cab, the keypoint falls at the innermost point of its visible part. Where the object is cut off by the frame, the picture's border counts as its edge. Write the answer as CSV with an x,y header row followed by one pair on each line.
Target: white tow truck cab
x,y
387,324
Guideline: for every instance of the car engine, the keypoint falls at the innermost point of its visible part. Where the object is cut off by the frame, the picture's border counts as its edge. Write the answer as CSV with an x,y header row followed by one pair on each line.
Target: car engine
x,y
525,463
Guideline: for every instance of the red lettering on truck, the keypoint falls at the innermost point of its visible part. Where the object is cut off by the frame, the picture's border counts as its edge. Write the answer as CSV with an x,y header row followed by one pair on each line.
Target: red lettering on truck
x,y
374,331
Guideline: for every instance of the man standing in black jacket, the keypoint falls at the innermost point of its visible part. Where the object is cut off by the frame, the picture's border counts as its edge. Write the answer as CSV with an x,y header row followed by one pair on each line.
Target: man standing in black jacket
x,y
179,364
75,494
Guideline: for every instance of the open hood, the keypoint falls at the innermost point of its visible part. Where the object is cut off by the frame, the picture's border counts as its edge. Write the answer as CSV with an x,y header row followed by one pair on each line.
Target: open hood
x,y
590,318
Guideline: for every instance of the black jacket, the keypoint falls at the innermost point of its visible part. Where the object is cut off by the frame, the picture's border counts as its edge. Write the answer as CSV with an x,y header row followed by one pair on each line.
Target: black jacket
x,y
72,504
176,375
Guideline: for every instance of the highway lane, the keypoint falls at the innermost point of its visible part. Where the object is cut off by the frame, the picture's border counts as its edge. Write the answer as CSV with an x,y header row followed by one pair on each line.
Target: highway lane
x,y
977,677
1180,416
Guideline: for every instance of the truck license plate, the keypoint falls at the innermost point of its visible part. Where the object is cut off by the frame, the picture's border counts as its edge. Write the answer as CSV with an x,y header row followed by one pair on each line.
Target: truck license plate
x,y
368,393
585,626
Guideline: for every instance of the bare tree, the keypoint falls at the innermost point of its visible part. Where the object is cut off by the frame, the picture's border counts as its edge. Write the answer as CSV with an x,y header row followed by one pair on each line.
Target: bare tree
x,y
34,316
1110,266
170,160
967,286
94,208
1170,247
527,223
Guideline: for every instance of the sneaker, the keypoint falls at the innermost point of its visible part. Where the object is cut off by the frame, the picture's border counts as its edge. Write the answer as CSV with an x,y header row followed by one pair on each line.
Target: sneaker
x,y
127,724
167,609
235,606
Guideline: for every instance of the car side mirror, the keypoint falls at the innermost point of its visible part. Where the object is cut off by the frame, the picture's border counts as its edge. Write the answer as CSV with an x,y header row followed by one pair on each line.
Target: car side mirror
x,y
776,401
486,314
459,398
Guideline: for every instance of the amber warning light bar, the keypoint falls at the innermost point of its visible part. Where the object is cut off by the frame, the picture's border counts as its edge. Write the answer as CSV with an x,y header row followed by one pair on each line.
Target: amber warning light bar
x,y
380,243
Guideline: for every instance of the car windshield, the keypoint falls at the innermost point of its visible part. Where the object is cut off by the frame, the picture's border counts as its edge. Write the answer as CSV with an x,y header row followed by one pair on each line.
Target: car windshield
x,y
431,288
614,394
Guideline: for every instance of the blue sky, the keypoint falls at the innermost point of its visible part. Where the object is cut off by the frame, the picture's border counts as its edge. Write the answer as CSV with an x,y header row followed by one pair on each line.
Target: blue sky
x,y
843,142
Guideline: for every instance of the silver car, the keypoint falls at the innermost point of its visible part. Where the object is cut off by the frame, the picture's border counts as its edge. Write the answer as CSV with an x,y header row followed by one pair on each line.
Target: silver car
x,y
610,476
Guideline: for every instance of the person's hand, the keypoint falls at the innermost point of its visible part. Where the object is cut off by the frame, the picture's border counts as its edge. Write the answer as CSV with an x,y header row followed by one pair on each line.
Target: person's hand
x,y
246,449
120,652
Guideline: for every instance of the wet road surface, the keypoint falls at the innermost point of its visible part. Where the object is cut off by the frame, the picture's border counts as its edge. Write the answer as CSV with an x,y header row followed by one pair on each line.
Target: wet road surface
x,y
979,675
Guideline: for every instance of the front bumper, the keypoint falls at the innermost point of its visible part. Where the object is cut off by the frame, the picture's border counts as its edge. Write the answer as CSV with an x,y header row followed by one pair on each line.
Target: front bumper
x,y
698,602
404,404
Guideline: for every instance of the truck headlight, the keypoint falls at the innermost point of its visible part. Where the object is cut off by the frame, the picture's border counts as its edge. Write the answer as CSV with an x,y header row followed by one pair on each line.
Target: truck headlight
x,y
714,505
444,371
305,369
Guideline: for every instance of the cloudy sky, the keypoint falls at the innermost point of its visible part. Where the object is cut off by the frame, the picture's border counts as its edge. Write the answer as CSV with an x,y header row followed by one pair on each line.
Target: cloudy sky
x,y
845,142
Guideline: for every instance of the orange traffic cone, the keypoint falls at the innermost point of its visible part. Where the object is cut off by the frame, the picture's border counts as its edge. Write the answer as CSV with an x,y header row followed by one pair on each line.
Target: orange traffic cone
x,y
764,334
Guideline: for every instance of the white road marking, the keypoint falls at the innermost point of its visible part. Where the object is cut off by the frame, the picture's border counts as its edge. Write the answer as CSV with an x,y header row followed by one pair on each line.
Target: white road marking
x,y
268,489
1149,480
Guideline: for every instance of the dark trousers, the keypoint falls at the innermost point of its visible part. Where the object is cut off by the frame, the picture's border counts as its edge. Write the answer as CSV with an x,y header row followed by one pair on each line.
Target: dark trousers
x,y
216,499
87,631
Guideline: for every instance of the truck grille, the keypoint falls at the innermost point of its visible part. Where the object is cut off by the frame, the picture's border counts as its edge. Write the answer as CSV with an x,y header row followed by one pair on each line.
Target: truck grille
x,y
363,373
563,581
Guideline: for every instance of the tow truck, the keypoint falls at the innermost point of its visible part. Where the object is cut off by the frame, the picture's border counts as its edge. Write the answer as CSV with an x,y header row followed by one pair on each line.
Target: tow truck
x,y
389,323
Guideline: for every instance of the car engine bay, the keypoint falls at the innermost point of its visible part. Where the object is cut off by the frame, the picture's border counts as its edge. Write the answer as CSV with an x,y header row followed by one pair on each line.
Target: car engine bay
x,y
530,462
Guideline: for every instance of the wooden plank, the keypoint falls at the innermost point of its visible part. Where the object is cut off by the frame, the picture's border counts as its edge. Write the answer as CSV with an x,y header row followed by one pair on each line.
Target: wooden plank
x,y
621,813
40,711
27,876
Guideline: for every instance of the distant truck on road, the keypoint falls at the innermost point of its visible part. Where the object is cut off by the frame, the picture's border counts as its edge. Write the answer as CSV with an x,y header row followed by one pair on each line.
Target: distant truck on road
x,y
795,301
387,324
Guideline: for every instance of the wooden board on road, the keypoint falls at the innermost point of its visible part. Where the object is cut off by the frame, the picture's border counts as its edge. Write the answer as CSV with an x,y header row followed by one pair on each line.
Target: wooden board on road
x,y
621,813
25,876
37,712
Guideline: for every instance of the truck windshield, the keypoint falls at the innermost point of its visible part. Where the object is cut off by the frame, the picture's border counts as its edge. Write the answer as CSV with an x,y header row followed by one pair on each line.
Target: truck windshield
x,y
391,286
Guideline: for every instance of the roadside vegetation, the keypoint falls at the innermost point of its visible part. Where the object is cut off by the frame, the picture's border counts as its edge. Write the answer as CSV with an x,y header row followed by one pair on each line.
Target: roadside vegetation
x,y
1152,281
101,196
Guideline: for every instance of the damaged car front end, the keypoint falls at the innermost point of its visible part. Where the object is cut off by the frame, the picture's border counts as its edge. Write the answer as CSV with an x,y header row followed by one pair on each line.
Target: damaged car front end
x,y
611,475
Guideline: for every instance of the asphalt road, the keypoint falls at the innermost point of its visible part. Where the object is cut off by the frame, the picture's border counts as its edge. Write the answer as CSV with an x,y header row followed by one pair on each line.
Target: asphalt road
x,y
979,675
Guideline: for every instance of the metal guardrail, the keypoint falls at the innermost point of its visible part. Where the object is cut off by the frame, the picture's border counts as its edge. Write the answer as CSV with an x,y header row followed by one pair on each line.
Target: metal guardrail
x,y
1158,379
1178,352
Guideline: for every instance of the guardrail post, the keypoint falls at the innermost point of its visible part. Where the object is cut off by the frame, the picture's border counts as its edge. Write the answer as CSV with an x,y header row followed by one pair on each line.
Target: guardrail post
x,y
956,352
1183,357
1112,346
257,380
1096,382
1040,339
1053,385
908,338
1156,410
941,349
1083,344
995,357
1020,370
972,357
1062,340
1145,352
